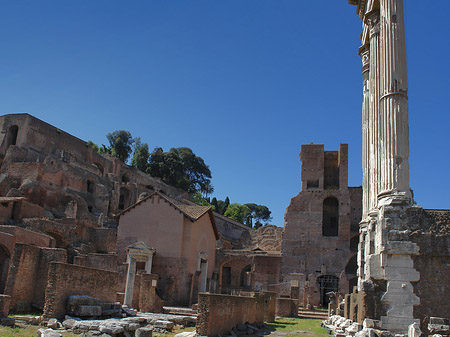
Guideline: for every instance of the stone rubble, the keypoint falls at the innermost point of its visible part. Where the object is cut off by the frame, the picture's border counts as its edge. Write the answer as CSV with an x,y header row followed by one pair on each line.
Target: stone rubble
x,y
339,326
439,326
140,325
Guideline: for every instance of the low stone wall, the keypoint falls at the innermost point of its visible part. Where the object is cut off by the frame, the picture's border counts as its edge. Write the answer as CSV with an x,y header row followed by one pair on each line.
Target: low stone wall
x,y
218,314
286,307
65,280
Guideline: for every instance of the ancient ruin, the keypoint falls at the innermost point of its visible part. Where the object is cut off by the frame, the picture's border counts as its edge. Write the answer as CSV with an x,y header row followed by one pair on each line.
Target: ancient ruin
x,y
320,235
398,265
82,233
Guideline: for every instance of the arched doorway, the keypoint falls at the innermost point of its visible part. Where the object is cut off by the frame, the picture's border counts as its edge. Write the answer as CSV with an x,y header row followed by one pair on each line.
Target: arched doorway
x,y
4,265
245,282
327,283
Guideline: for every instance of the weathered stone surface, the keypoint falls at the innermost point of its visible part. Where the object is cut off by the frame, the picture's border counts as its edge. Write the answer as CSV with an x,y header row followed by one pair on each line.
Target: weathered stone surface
x,y
166,325
144,332
439,320
186,334
87,311
52,323
414,330
442,329
48,333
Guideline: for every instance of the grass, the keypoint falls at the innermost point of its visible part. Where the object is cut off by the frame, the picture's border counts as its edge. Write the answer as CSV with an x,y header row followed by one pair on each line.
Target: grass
x,y
27,331
288,327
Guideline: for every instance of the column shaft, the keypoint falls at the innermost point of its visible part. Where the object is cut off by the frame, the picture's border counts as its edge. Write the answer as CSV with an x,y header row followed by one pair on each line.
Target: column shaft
x,y
394,136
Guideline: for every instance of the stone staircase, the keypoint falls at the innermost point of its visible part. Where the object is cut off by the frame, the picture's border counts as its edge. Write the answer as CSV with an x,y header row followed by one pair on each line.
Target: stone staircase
x,y
312,314
185,311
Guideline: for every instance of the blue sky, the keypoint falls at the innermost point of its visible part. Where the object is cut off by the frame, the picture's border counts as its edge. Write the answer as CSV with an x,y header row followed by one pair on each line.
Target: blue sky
x,y
242,82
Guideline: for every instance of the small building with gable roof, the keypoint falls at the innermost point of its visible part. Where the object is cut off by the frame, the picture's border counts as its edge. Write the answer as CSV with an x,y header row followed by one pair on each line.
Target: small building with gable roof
x,y
183,236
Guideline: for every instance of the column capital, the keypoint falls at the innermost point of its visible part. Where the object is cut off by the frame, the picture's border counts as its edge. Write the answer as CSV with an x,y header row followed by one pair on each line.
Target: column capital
x,y
372,20
364,52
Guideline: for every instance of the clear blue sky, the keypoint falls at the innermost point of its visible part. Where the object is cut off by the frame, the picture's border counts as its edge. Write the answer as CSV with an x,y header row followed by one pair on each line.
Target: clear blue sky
x,y
242,82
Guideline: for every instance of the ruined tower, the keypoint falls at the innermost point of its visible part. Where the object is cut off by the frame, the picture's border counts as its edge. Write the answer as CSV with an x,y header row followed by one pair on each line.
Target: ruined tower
x,y
320,236
385,253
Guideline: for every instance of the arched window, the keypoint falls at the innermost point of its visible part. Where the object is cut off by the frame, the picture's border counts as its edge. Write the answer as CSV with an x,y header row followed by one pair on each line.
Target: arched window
x,y
330,219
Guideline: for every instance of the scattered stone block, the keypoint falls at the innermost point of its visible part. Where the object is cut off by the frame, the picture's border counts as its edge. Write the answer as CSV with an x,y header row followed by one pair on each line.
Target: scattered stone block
x,y
439,320
353,328
52,323
128,311
144,332
87,311
166,325
48,333
187,334
414,330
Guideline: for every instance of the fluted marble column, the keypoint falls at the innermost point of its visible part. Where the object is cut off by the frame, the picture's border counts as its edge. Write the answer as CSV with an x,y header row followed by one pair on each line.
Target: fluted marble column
x,y
393,133
365,56
374,118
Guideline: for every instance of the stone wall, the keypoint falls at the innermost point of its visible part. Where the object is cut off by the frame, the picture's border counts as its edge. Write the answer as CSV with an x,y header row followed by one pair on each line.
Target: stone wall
x,y
432,235
233,233
99,261
65,280
60,175
218,314
27,275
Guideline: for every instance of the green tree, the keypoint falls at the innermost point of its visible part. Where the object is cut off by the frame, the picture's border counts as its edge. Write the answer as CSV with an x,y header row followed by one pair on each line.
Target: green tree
x,y
198,198
237,212
259,214
120,144
181,168
93,146
141,155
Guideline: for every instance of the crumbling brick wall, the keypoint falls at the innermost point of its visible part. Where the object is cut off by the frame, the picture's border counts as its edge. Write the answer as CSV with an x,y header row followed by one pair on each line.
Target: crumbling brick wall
x,y
218,314
431,232
27,277
65,280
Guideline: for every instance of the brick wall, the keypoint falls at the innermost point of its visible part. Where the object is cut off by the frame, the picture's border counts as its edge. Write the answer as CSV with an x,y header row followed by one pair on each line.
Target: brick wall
x,y
433,289
100,261
22,276
65,280
218,314
46,256
27,278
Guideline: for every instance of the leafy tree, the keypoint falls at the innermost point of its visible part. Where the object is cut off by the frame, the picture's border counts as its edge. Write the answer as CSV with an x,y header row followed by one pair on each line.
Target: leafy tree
x,y
220,206
141,155
105,150
200,200
227,203
237,212
181,168
120,144
214,204
93,145
260,214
